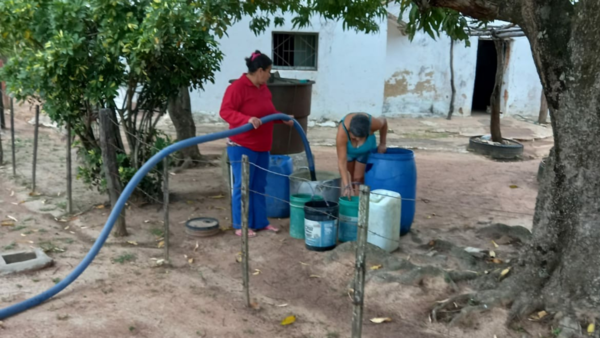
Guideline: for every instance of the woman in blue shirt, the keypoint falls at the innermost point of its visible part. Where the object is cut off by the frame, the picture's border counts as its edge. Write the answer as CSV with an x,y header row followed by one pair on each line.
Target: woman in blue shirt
x,y
355,140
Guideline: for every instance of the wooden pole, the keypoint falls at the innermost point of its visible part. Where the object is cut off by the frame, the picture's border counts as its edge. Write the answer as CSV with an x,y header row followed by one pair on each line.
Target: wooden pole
x,y
360,264
1,151
110,166
166,204
452,86
12,136
497,93
36,131
69,174
2,121
245,209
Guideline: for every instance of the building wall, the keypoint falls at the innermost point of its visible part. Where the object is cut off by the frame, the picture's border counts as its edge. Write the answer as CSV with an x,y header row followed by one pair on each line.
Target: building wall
x,y
417,78
524,88
380,73
348,77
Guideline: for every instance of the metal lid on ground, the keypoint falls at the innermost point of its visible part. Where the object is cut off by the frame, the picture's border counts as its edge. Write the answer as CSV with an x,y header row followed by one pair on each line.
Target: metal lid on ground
x,y
202,227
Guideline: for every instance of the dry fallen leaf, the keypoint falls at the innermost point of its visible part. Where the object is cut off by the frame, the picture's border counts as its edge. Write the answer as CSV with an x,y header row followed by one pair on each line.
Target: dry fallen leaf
x,y
1,324
238,257
492,254
315,276
23,235
504,272
282,305
33,193
495,245
14,219
191,260
101,206
12,193
542,314
497,261
8,223
217,197
131,242
196,248
160,262
301,263
161,244
591,328
380,320
255,305
376,267
513,186
256,272
67,227
288,320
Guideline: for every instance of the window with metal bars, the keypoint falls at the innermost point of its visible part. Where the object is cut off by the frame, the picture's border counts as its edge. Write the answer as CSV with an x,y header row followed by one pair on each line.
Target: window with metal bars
x,y
295,51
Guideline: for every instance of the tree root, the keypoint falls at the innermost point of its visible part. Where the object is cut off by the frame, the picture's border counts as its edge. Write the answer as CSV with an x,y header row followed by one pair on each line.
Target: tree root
x,y
460,310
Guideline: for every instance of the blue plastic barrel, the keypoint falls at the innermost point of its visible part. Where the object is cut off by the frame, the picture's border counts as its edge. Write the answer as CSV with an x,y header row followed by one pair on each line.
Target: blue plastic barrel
x,y
396,171
278,186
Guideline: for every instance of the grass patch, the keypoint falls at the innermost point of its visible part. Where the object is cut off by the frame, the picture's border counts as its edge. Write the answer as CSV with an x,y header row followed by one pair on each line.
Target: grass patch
x,y
10,246
157,232
62,205
48,209
56,280
66,240
18,228
48,246
126,257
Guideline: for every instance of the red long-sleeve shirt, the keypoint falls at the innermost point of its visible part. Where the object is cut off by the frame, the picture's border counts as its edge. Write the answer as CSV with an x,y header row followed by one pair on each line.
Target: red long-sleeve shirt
x,y
242,101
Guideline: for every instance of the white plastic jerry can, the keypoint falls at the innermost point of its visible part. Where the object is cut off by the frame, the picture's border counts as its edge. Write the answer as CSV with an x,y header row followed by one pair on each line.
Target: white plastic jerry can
x,y
384,219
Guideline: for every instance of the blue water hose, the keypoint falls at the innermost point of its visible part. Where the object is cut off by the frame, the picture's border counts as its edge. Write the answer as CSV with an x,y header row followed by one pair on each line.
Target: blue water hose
x,y
116,210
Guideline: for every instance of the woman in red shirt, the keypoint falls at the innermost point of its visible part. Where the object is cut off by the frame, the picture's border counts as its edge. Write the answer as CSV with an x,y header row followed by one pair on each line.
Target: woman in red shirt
x,y
247,100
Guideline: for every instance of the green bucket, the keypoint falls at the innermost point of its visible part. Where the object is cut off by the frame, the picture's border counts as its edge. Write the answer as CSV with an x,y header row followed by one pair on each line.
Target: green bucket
x,y
348,229
297,213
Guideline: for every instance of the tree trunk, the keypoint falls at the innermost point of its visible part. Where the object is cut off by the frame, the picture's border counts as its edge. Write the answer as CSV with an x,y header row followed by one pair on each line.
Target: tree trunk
x,y
497,93
543,116
566,226
180,111
453,98
559,270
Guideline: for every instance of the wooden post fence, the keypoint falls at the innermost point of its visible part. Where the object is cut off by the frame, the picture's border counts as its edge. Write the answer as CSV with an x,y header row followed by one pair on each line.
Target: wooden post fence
x,y
360,264
166,205
36,131
69,174
12,136
245,209
111,168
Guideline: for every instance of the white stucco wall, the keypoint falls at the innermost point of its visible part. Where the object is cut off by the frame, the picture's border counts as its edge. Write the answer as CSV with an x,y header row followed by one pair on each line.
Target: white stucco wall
x,y
417,79
348,79
523,88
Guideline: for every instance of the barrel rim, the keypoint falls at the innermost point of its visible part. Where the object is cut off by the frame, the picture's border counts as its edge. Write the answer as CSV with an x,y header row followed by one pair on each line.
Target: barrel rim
x,y
394,154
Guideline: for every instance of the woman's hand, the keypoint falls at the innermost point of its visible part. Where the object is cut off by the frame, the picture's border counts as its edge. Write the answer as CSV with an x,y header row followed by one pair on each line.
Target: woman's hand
x,y
382,148
347,191
255,121
290,122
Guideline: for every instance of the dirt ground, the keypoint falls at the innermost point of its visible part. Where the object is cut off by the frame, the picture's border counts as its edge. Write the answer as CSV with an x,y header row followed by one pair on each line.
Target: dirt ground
x,y
124,293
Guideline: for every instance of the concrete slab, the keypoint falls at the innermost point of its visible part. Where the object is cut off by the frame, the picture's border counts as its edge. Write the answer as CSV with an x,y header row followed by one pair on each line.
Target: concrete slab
x,y
23,261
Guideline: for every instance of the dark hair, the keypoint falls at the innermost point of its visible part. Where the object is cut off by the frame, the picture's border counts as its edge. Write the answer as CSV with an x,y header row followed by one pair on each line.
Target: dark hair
x,y
360,125
258,61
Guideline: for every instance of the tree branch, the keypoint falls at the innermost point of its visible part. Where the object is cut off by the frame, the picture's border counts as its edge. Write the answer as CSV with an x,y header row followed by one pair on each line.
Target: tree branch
x,y
506,10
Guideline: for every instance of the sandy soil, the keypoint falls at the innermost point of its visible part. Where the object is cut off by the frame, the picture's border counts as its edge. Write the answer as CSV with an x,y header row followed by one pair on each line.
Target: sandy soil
x,y
124,294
